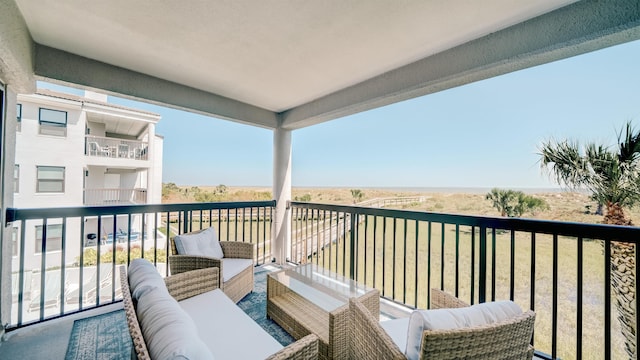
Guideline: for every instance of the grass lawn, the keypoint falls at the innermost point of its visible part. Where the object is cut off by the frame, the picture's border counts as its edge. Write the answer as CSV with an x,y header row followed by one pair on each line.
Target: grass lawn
x,y
403,274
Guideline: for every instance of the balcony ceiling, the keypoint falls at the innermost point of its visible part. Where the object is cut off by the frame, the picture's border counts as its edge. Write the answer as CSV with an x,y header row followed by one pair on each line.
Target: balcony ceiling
x,y
292,64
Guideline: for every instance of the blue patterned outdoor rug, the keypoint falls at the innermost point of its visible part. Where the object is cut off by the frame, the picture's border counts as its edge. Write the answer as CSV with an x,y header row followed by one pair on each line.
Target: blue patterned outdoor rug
x,y
255,305
102,337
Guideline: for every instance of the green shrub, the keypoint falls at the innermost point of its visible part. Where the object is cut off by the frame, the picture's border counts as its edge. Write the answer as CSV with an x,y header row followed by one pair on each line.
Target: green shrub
x,y
90,257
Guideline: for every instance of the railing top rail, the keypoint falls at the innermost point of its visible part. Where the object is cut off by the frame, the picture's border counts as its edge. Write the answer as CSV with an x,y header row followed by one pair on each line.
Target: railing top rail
x,y
574,229
14,214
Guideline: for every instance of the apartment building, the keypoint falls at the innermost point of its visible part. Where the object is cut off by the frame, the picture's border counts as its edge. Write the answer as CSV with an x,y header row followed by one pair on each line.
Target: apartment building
x,y
81,150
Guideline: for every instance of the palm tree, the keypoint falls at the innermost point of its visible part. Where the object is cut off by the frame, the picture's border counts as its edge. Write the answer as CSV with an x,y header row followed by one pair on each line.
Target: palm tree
x,y
613,179
501,200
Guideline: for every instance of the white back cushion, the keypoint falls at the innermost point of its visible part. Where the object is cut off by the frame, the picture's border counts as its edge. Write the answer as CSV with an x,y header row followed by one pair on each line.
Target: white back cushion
x,y
168,331
450,319
143,276
204,243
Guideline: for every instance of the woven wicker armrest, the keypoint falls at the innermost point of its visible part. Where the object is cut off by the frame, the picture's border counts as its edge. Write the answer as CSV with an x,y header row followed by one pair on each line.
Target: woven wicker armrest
x,y
303,349
181,263
239,250
367,339
509,339
443,300
191,283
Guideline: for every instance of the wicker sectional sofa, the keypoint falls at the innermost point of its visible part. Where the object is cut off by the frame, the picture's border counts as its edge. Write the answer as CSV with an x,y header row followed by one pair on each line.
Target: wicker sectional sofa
x,y
187,316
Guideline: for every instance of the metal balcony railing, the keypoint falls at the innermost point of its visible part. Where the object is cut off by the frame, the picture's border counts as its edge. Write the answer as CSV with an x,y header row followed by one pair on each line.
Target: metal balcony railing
x,y
116,196
116,148
562,271
74,265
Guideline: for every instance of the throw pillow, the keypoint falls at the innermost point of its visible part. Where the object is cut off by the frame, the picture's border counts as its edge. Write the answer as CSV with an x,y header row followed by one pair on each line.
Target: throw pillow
x,y
458,318
203,243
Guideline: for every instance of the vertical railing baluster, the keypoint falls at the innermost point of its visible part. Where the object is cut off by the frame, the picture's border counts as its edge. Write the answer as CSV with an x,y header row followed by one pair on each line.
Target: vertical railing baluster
x,y
384,253
493,264
129,241
23,225
429,264
442,251
43,266
375,250
63,263
143,229
404,266
393,259
457,280
344,243
512,267
81,270
416,261
532,281
228,223
366,252
113,258
554,295
473,265
607,300
167,244
352,245
579,297
304,254
482,269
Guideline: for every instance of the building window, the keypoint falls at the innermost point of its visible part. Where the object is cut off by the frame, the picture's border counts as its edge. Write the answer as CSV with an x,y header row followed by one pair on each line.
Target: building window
x,y
54,238
19,113
50,179
53,122
16,178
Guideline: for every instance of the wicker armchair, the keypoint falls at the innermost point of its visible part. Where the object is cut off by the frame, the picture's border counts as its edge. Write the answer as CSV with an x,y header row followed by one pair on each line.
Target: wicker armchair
x,y
236,287
509,339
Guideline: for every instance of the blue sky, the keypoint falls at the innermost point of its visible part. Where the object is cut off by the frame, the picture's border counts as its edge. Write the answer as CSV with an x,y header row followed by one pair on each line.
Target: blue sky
x,y
485,134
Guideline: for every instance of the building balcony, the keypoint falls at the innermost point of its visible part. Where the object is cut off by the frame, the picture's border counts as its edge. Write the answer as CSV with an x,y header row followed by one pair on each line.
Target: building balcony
x,y
562,271
115,148
116,196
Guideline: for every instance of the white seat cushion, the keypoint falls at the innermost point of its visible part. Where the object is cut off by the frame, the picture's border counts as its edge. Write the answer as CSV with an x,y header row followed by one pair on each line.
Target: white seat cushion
x,y
226,329
168,331
397,330
232,267
204,243
450,319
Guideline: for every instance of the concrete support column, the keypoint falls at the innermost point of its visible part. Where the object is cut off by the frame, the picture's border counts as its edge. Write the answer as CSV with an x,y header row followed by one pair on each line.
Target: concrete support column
x,y
7,161
281,234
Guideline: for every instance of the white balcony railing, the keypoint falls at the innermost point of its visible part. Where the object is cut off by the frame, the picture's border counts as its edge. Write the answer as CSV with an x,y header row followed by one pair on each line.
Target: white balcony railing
x,y
116,148
115,196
